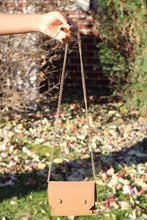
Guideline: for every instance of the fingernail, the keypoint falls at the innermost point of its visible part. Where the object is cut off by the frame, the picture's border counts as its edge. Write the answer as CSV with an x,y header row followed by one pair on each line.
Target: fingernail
x,y
62,29
68,23
63,39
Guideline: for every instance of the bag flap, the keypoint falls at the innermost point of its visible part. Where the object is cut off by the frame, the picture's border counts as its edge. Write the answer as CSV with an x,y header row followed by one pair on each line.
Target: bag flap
x,y
72,194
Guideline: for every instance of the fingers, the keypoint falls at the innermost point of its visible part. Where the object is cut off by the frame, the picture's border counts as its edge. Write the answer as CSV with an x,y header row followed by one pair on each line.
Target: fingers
x,y
67,39
67,22
63,37
66,34
71,27
67,28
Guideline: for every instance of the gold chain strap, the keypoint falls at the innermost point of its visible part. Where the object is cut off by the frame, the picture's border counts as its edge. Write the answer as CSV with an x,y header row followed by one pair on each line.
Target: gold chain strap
x,y
58,110
86,108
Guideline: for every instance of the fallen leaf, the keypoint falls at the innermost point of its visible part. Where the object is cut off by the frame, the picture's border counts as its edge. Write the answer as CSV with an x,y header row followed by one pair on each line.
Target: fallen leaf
x,y
124,181
70,217
110,171
4,155
13,202
43,211
32,181
132,216
8,183
127,189
139,213
2,147
27,151
58,160
41,166
138,154
125,205
25,218
113,205
114,217
107,216
74,177
19,134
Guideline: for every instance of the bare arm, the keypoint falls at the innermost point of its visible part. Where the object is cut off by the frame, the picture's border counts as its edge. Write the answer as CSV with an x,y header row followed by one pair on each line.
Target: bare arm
x,y
18,23
54,24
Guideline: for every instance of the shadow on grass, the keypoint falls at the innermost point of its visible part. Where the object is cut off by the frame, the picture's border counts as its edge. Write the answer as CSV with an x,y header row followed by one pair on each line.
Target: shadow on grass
x,y
130,156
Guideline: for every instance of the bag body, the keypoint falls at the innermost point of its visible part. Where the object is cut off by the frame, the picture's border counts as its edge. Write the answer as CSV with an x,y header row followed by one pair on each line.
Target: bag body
x,y
72,198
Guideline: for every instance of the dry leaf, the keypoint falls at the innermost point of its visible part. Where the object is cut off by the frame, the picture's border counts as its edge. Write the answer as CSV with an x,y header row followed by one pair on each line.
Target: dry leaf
x,y
41,166
125,205
13,202
127,189
110,172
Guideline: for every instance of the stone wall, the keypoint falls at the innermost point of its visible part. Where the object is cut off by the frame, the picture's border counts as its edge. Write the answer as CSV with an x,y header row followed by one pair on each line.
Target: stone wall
x,y
28,60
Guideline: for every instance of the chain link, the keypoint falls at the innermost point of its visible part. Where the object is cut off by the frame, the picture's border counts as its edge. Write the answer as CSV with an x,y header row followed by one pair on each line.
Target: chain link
x,y
59,103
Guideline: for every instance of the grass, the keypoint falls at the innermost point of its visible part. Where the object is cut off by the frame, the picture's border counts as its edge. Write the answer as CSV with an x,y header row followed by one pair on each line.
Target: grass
x,y
27,201
35,206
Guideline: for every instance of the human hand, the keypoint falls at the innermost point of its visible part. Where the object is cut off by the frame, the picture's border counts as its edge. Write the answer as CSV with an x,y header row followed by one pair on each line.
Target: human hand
x,y
55,25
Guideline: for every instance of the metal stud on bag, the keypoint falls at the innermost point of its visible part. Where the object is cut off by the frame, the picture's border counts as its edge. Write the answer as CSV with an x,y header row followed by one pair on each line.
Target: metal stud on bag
x,y
76,197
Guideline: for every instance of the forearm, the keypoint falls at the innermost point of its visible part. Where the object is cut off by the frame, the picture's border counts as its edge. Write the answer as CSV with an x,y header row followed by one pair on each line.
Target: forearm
x,y
19,23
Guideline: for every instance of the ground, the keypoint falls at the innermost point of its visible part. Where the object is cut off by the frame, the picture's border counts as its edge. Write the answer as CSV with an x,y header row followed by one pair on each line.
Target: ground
x,y
119,142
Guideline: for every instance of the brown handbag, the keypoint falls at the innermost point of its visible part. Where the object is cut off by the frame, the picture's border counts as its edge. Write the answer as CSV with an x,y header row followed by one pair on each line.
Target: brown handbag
x,y
72,197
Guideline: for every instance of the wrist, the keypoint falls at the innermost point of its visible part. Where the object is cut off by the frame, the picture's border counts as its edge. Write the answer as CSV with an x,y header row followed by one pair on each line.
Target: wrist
x,y
41,23
36,22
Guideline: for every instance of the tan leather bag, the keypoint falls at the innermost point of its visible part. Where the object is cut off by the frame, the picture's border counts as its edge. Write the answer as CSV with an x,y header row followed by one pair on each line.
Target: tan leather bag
x,y
72,198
